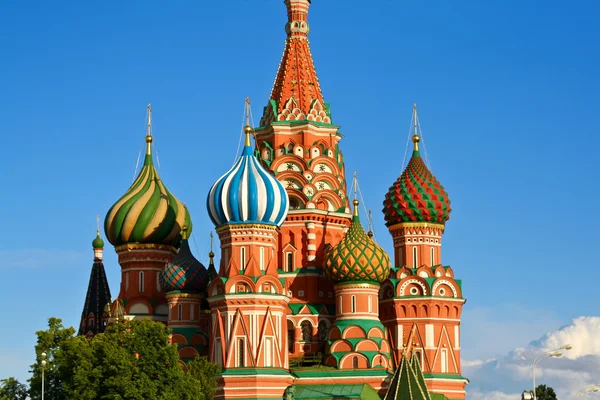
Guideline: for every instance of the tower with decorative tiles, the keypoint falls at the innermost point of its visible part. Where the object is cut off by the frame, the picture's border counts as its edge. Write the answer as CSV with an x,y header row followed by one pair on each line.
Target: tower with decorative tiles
x,y
421,302
248,301
145,225
95,314
298,142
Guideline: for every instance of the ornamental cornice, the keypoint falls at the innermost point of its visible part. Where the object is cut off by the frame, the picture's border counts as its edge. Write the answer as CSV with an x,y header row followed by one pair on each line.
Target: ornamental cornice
x,y
246,227
154,248
358,285
184,295
430,225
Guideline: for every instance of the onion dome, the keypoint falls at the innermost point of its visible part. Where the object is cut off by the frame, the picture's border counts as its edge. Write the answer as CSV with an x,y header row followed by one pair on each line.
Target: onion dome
x,y
184,272
247,193
98,243
357,258
416,196
147,212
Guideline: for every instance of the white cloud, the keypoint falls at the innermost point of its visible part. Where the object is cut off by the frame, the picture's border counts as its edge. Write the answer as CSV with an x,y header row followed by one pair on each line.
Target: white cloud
x,y
40,258
568,375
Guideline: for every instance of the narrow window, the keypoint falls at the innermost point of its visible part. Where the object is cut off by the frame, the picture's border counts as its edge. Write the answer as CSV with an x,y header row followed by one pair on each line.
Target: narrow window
x,y
268,352
353,304
432,257
340,304
355,362
262,258
180,312
242,258
126,280
444,360
241,354
192,308
415,257
370,304
141,282
158,288
289,265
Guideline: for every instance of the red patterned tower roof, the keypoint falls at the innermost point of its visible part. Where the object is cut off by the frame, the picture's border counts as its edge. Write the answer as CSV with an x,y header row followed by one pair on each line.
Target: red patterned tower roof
x,y
416,196
296,94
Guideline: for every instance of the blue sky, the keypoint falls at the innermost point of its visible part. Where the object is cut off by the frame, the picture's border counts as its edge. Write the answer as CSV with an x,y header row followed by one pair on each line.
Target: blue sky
x,y
508,99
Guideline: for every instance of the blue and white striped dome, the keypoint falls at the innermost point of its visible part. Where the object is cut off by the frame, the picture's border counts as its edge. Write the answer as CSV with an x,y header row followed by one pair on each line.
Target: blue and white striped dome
x,y
247,193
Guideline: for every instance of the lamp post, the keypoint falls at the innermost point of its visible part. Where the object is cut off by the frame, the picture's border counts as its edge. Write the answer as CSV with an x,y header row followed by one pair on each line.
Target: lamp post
x,y
547,354
43,364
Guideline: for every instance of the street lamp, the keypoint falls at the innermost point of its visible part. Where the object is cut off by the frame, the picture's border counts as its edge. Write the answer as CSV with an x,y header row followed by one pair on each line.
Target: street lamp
x,y
547,354
43,364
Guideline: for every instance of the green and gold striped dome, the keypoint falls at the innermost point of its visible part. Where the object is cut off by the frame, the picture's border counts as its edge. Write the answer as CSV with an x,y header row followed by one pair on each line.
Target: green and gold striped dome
x,y
147,212
357,258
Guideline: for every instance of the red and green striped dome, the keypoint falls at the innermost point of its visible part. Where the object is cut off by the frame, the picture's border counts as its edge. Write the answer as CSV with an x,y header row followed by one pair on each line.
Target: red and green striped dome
x,y
416,196
184,272
357,258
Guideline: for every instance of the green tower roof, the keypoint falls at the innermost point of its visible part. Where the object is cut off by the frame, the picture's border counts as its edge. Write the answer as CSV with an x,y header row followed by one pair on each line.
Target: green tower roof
x,y
408,382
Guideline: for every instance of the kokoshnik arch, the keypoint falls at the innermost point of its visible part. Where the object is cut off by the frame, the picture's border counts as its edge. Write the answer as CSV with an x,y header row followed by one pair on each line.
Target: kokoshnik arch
x,y
303,302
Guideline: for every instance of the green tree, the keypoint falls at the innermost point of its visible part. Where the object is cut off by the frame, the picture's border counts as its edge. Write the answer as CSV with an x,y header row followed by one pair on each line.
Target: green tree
x,y
544,392
12,389
205,372
132,361
49,342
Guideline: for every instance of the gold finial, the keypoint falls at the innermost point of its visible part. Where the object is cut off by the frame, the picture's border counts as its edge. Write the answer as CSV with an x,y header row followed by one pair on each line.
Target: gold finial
x,y
211,254
416,137
247,129
184,232
149,132
355,201
98,224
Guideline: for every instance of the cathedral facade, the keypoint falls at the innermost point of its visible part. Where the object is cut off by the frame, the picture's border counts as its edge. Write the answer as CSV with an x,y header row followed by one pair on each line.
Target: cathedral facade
x,y
303,302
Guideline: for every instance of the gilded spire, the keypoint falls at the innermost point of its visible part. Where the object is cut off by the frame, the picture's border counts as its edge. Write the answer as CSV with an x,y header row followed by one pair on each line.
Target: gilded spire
x,y
149,134
416,139
211,254
247,129
355,201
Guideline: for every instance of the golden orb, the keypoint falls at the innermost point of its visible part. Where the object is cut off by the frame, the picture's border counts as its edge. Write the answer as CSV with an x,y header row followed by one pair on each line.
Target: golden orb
x,y
148,139
355,202
247,129
416,139
211,254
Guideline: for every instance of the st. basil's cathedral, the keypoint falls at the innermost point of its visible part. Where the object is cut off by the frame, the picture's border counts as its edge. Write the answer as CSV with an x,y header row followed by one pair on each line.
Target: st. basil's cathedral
x,y
303,303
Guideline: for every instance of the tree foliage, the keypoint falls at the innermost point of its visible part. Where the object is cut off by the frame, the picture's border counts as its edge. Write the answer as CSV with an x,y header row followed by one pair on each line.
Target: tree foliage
x,y
12,389
544,392
205,372
132,361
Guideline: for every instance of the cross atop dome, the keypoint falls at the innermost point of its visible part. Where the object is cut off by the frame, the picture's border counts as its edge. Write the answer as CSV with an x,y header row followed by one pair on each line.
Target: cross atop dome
x,y
296,94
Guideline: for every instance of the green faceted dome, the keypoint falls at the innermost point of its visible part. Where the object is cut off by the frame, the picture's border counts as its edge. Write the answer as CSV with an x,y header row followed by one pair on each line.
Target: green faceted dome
x,y
147,212
98,243
357,258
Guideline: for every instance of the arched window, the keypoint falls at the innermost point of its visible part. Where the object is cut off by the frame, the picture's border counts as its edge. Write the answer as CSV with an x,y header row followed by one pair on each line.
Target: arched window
x,y
353,304
289,261
262,258
241,355
322,331
432,256
306,328
141,282
415,265
355,362
242,258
